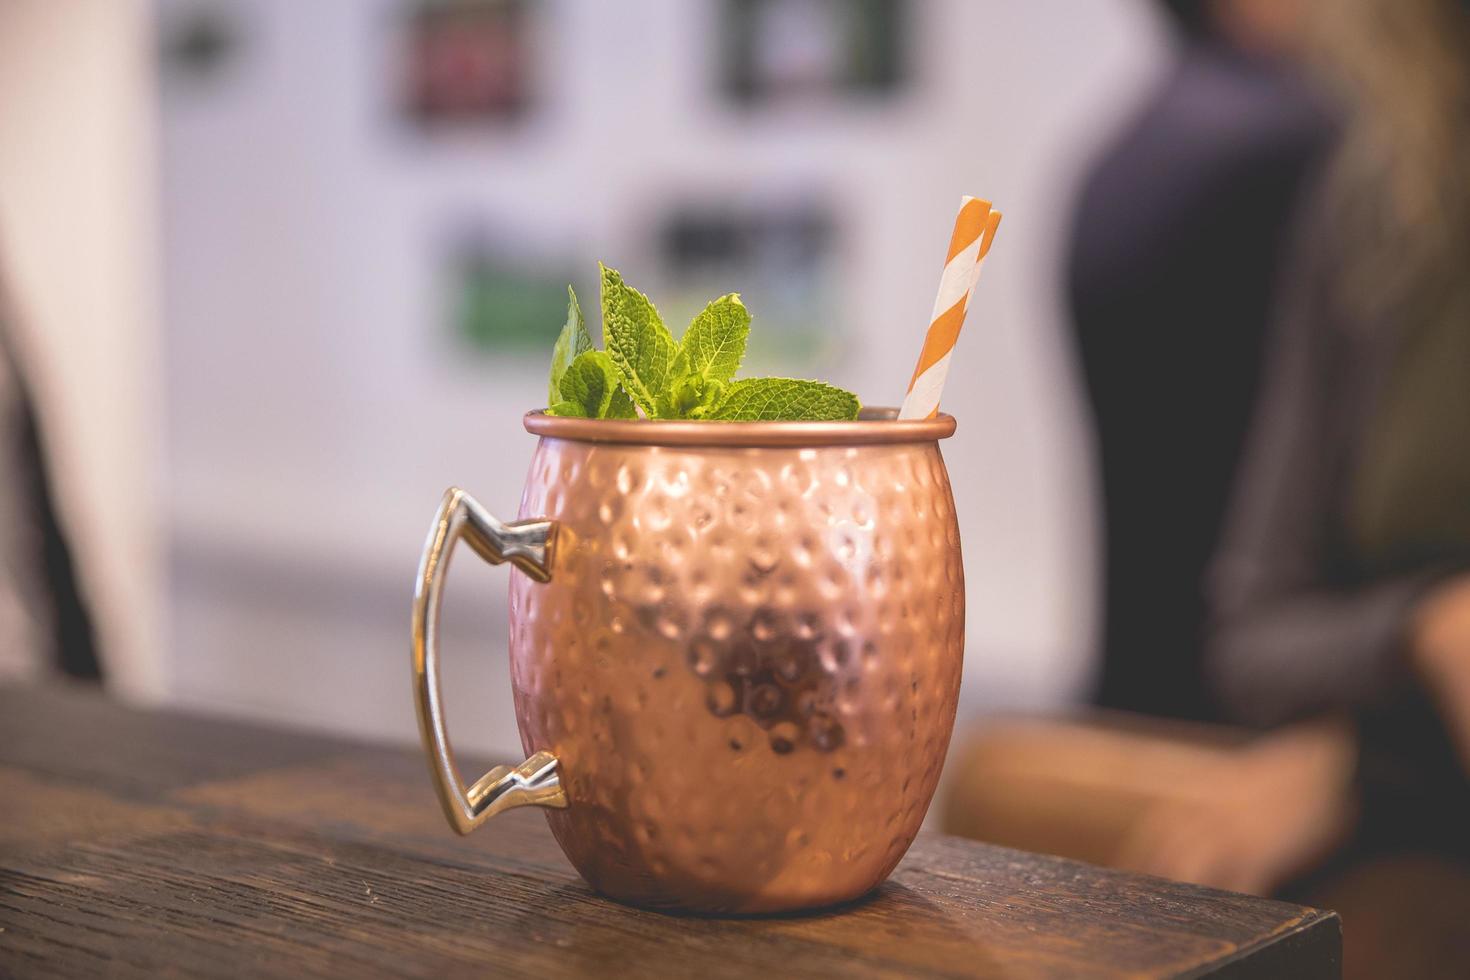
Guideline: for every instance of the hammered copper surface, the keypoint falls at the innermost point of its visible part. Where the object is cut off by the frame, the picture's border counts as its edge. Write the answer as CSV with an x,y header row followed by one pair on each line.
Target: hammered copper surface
x,y
747,660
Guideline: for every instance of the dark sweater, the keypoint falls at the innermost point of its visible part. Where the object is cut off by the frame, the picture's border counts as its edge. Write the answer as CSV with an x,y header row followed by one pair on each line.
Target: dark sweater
x,y
1178,238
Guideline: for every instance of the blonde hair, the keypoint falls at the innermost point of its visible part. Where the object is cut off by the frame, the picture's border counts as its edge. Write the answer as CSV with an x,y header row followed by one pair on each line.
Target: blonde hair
x,y
1399,187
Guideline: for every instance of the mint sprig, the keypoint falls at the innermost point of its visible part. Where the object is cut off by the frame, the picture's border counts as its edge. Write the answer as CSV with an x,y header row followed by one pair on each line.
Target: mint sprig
x,y
643,371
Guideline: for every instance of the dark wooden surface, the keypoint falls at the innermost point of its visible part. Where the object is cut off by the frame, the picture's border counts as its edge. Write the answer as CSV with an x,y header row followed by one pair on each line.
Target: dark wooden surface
x,y
143,844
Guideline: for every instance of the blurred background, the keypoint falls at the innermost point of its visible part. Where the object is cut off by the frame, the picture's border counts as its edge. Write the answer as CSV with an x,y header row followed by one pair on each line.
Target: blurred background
x,y
281,272
274,274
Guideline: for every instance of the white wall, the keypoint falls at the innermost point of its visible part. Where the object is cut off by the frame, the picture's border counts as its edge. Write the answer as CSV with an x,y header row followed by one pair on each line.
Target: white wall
x,y
316,418
78,252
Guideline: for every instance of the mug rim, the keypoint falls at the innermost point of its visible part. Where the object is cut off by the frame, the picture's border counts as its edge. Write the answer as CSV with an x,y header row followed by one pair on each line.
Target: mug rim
x,y
874,425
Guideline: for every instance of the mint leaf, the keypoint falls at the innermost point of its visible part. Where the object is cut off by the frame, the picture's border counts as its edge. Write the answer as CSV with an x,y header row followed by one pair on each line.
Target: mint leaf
x,y
640,345
714,344
588,385
572,341
784,400
621,406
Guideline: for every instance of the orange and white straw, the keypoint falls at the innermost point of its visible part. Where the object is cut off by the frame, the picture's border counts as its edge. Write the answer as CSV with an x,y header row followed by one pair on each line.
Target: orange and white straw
x,y
974,230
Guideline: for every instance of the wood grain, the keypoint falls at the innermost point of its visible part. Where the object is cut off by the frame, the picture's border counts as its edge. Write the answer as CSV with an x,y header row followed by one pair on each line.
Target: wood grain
x,y
139,844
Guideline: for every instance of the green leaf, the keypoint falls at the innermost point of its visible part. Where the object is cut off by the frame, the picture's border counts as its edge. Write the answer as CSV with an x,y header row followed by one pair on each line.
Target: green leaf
x,y
714,344
572,341
640,345
570,409
693,396
621,406
589,384
784,400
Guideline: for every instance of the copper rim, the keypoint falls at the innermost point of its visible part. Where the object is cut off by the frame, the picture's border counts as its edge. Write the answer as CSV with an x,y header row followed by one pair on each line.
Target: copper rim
x,y
873,425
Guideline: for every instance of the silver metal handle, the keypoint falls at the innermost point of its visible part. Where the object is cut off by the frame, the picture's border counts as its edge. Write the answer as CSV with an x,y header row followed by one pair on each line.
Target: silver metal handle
x,y
528,545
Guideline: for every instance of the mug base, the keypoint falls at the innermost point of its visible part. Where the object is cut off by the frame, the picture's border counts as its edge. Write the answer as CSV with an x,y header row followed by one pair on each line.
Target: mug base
x,y
755,907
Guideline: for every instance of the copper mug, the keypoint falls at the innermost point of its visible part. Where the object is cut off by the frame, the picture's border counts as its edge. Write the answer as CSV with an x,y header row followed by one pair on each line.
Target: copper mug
x,y
734,647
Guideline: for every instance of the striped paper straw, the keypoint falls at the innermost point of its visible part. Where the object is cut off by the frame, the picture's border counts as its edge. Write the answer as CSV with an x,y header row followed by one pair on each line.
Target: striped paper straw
x,y
974,230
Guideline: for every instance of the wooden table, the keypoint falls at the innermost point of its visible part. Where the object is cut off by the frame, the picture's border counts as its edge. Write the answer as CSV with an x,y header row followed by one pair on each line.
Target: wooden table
x,y
143,844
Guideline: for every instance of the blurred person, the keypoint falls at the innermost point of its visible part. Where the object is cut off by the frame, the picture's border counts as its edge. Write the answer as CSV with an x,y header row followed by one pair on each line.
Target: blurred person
x,y
1343,586
1341,596
44,623
1178,242
1176,245
1339,621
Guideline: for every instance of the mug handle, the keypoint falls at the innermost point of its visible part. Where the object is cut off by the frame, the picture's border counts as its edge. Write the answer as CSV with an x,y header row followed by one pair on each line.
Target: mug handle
x,y
527,545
